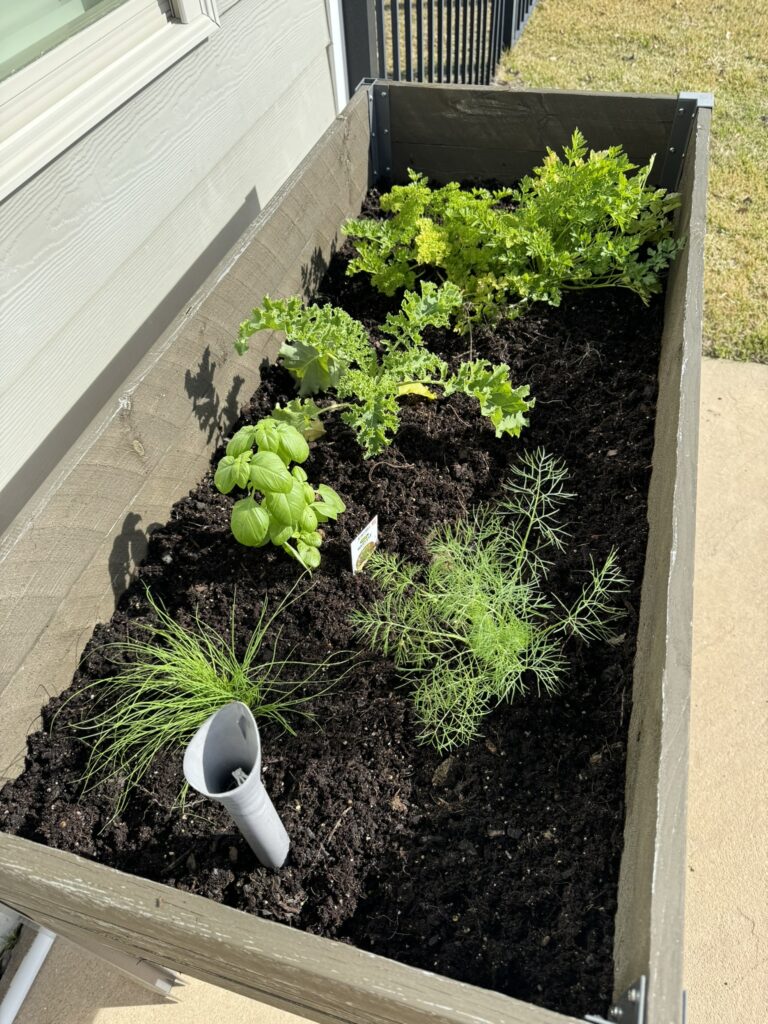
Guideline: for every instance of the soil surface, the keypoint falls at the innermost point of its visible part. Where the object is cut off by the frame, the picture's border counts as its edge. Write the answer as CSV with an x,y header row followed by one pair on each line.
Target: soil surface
x,y
497,865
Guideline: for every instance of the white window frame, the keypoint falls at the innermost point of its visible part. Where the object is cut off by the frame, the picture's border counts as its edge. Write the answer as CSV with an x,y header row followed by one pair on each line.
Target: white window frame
x,y
55,100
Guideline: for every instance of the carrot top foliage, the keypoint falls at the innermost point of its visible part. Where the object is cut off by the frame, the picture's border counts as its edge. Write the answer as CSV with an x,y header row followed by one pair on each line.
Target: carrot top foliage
x,y
581,221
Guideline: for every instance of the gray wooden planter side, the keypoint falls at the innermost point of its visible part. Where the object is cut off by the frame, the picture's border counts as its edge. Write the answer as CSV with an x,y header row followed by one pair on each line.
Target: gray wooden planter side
x,y
457,132
649,922
63,559
145,451
314,977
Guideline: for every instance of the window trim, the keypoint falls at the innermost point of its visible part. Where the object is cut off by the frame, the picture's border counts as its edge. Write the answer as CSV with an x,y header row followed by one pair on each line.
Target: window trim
x,y
61,100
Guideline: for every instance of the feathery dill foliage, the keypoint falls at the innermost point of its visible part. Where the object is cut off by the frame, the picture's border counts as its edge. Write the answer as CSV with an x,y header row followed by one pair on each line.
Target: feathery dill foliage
x,y
476,626
583,221
327,349
172,678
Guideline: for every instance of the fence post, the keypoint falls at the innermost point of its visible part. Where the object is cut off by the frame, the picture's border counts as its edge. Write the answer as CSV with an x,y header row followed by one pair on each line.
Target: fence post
x,y
509,22
359,19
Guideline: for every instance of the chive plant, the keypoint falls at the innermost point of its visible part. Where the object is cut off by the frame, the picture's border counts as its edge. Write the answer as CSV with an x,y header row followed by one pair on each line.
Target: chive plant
x,y
172,678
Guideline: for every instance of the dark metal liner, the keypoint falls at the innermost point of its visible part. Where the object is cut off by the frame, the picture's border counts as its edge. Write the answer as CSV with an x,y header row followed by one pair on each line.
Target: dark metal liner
x,y
448,132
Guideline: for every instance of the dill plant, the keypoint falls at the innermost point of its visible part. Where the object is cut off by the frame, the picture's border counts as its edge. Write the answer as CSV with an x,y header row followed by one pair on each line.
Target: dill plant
x,y
172,678
476,626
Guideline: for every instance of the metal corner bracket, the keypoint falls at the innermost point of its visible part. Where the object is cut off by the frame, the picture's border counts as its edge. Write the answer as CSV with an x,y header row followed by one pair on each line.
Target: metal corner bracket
x,y
629,1008
379,122
686,110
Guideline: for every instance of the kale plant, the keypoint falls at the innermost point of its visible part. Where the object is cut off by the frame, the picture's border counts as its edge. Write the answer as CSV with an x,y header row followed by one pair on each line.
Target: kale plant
x,y
327,349
291,509
476,626
584,221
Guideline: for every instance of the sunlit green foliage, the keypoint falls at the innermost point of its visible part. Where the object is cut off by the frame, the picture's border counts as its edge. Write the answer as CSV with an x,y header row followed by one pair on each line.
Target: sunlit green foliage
x,y
581,221
476,626
326,348
169,679
291,509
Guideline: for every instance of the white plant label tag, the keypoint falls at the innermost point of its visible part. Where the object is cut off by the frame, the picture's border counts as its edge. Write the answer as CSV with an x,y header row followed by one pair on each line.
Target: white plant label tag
x,y
364,544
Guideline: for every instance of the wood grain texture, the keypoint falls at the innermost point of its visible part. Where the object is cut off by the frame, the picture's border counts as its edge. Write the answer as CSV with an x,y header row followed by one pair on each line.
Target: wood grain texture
x,y
96,241
325,981
456,132
71,551
650,919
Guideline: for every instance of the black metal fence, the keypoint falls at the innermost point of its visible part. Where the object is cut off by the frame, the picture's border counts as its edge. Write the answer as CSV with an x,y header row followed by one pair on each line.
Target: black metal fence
x,y
457,41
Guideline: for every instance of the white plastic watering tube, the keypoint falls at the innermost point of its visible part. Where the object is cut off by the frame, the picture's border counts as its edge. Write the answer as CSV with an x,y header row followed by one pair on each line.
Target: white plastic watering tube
x,y
223,762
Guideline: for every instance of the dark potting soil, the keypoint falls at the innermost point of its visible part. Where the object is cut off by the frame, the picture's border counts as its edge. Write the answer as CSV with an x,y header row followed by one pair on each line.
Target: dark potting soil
x,y
496,865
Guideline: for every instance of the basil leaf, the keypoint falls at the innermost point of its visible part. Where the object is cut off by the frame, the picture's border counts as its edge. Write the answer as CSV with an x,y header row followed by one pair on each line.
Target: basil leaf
x,y
250,523
268,474
231,472
308,520
279,532
241,442
267,435
292,445
309,557
287,508
330,507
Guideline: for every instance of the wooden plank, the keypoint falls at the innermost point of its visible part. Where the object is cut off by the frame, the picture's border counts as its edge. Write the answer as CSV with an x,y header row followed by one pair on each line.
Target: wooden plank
x,y
457,132
649,922
151,443
329,982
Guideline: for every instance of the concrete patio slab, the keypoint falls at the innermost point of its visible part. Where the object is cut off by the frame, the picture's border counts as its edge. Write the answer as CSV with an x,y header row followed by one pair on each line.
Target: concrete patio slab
x,y
74,987
727,892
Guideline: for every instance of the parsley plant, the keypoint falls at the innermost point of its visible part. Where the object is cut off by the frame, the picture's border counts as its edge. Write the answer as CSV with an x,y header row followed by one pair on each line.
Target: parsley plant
x,y
581,221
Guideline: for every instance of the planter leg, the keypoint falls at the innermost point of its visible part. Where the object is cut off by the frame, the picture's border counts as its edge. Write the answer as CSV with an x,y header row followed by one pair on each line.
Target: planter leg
x,y
25,976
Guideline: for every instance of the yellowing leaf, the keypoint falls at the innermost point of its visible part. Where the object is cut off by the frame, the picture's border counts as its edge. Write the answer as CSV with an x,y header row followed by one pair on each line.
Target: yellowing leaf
x,y
416,389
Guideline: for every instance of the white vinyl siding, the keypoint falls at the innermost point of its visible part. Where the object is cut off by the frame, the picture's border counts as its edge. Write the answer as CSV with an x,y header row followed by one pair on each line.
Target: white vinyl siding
x,y
94,244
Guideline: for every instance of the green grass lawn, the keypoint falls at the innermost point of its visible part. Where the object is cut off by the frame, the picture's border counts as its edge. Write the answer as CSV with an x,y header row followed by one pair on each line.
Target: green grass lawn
x,y
666,46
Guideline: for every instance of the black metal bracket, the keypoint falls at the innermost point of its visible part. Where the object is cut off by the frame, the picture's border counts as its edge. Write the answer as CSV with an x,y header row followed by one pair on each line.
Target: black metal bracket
x,y
686,111
381,139
629,1008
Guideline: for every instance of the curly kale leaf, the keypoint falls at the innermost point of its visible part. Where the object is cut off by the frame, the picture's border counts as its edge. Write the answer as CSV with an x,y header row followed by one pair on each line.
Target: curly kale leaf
x,y
321,341
304,415
504,405
433,307
373,413
328,350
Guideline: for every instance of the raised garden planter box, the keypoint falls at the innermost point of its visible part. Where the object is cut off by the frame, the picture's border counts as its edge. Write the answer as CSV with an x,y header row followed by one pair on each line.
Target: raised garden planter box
x,y
65,557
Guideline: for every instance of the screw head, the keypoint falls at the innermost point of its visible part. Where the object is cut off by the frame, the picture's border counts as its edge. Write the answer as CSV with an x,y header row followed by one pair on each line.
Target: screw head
x,y
633,995
616,1013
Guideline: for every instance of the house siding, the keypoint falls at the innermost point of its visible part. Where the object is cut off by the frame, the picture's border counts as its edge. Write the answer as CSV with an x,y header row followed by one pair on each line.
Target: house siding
x,y
103,247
